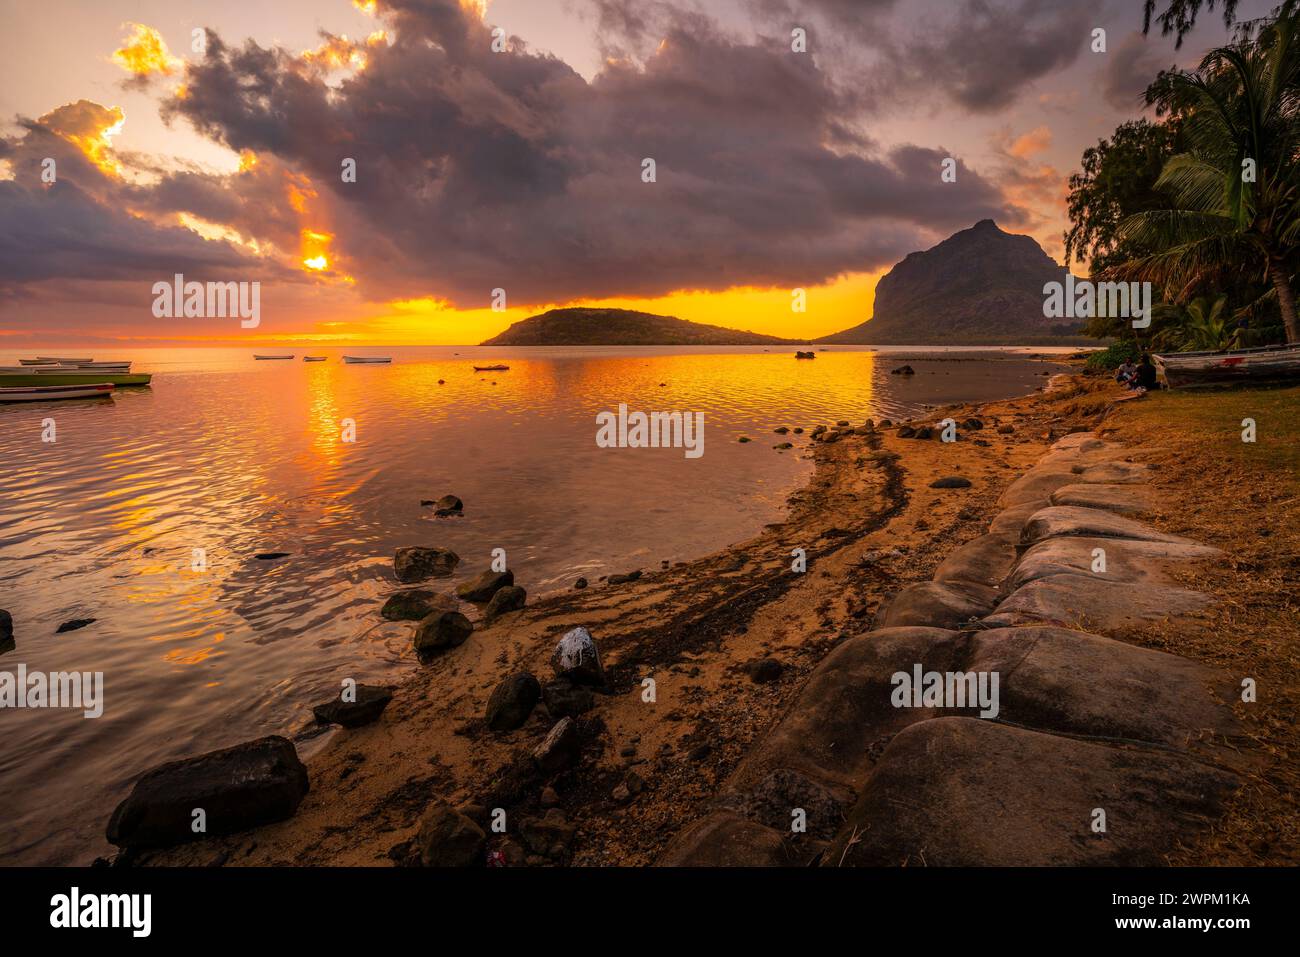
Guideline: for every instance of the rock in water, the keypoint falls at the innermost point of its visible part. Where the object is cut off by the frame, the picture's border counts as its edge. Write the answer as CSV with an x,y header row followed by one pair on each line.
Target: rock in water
x,y
580,583
951,481
624,579
440,631
512,701
447,505
903,370
564,699
371,700
416,604
6,630
560,748
448,838
577,658
237,788
417,563
485,586
507,599
74,624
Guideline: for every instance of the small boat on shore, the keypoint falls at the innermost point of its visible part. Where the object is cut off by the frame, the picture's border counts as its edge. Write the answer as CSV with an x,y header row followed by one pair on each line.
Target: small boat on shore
x,y
313,358
491,368
356,360
43,393
1180,370
264,358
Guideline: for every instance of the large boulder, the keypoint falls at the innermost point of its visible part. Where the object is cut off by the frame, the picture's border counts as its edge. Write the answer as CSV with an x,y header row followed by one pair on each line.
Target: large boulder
x,y
985,560
414,604
6,631
973,793
512,701
440,631
369,703
577,658
1060,520
237,788
507,599
1070,600
937,605
447,838
1126,560
1071,682
416,563
1130,499
486,585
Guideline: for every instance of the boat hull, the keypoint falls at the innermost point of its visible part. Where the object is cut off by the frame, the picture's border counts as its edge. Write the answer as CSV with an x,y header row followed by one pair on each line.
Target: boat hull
x,y
89,377
44,393
1189,370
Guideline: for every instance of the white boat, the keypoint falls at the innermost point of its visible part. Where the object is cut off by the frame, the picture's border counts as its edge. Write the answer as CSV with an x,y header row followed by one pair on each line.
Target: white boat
x,y
1266,364
38,362
46,360
352,360
272,357
313,358
115,366
24,369
42,393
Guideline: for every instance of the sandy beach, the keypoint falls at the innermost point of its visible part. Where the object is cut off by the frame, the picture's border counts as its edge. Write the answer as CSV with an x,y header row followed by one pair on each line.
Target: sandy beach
x,y
870,524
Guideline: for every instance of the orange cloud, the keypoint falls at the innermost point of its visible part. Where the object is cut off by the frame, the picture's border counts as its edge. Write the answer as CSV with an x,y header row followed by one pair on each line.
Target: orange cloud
x,y
144,53
1031,143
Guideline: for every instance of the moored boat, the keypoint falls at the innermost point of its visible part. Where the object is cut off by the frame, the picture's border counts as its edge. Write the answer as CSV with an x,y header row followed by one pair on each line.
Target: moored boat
x,y
353,360
42,393
1180,370
46,360
491,368
105,366
73,377
313,358
263,358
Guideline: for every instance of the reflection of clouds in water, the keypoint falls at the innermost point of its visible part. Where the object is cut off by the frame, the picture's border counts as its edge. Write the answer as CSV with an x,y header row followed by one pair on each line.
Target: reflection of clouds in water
x,y
239,457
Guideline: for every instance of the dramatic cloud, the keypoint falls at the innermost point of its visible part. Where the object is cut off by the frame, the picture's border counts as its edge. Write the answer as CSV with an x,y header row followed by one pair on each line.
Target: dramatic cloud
x,y
64,214
479,169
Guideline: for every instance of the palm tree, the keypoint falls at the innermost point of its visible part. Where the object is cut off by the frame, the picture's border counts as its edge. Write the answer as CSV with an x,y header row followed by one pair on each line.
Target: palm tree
x,y
1236,191
1204,325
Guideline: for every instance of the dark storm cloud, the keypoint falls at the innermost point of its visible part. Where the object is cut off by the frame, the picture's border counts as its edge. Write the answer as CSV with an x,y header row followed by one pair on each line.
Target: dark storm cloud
x,y
479,169
79,226
985,53
1129,69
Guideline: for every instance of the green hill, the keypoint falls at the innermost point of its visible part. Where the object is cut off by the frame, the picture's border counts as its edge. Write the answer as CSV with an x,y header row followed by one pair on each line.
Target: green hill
x,y
621,327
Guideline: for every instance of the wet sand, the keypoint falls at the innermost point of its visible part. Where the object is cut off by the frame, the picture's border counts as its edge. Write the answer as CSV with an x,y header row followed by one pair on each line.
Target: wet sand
x,y
869,523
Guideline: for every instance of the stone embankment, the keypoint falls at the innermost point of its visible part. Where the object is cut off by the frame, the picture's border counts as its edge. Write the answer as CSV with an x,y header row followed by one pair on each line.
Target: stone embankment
x,y
1101,752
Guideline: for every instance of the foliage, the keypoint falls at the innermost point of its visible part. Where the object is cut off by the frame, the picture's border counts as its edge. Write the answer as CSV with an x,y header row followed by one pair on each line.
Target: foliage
x,y
1113,356
1117,180
1180,16
1235,191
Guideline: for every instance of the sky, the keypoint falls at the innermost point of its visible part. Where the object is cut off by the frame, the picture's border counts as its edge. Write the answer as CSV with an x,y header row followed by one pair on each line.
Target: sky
x,y
500,153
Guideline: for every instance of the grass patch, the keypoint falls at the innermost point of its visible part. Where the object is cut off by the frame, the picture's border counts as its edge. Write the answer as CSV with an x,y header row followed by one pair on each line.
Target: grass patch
x,y
1243,498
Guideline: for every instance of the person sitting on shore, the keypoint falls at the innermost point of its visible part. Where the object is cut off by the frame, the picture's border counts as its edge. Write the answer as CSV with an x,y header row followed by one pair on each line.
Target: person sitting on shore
x,y
1124,374
1144,378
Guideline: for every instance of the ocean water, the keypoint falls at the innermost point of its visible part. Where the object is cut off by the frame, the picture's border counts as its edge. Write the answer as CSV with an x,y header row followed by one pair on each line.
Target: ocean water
x,y
237,457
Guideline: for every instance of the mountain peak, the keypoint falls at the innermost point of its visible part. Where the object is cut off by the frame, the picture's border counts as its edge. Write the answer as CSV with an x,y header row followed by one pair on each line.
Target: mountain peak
x,y
981,285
